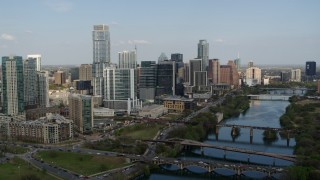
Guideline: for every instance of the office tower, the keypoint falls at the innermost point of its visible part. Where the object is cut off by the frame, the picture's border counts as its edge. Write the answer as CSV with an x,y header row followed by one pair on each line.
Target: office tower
x,y
38,60
194,65
12,85
225,74
59,77
253,76
203,53
186,73
81,112
178,58
250,64
296,75
148,77
30,83
166,78
311,68
214,71
128,59
284,76
43,88
234,74
162,57
85,72
121,89
237,62
101,57
200,78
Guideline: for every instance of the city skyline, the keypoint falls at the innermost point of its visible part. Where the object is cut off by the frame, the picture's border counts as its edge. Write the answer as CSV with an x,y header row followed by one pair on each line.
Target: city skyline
x,y
272,32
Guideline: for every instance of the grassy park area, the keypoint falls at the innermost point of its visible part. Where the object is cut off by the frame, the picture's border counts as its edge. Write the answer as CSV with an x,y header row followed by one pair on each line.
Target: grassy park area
x,y
140,131
13,149
84,164
17,168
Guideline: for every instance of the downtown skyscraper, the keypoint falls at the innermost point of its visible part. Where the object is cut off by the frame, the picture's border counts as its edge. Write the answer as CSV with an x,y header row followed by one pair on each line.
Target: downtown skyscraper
x,y
101,57
13,85
128,59
203,53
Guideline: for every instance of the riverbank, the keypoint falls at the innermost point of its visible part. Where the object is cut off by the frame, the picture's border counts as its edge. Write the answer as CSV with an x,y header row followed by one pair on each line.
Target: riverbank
x,y
303,116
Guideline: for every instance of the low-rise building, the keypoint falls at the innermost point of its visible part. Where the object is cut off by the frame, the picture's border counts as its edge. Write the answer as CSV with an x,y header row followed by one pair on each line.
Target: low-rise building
x,y
103,112
153,111
178,104
48,130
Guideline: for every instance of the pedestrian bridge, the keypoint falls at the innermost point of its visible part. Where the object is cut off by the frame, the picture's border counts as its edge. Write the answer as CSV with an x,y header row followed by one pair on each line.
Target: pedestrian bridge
x,y
269,97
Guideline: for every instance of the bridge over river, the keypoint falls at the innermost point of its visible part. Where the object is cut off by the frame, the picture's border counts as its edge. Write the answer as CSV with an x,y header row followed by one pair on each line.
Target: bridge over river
x,y
210,166
190,143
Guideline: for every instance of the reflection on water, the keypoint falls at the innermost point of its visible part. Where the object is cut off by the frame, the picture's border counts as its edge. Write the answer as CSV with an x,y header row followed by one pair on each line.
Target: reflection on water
x,y
261,114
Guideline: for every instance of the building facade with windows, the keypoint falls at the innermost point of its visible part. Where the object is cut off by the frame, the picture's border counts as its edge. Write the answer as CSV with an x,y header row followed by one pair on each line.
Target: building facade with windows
x,y
13,85
81,112
101,57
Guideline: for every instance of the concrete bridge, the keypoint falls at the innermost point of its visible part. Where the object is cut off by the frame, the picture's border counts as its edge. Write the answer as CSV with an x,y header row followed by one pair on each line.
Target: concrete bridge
x,y
211,166
189,143
233,127
268,97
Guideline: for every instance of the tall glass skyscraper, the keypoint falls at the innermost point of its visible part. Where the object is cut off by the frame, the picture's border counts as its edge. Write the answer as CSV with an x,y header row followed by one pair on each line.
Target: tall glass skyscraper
x,y
311,68
203,53
13,85
101,56
128,59
31,83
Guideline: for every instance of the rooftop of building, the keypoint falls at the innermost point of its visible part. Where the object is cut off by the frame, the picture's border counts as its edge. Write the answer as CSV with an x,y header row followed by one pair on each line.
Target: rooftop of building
x,y
177,98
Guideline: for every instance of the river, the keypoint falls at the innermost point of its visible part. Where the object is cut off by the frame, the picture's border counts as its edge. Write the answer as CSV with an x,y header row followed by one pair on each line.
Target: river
x,y
260,113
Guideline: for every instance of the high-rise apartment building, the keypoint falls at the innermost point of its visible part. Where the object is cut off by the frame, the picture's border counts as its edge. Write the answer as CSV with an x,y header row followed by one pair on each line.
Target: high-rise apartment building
x,y
203,53
121,89
12,85
85,72
194,65
59,77
253,76
225,74
128,59
101,57
200,78
148,77
81,112
311,68
30,83
38,60
43,88
296,75
284,76
214,71
186,77
234,74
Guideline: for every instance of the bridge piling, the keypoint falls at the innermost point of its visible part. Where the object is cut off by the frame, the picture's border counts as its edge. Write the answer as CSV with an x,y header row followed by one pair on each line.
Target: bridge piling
x,y
274,162
201,148
225,154
251,135
217,133
288,138
248,158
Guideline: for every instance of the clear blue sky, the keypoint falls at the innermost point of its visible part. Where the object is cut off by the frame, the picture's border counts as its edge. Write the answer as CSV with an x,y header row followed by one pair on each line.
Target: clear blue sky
x,y
266,32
